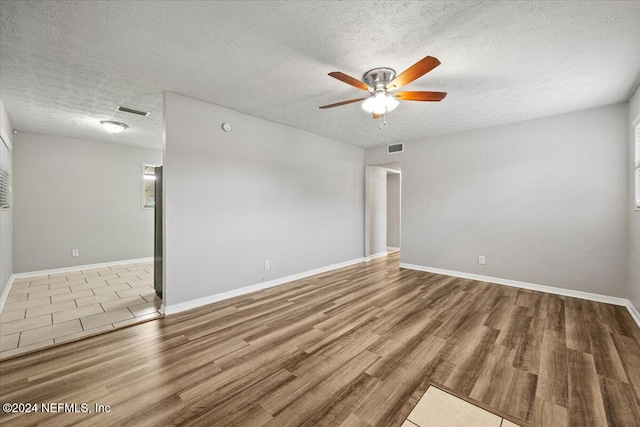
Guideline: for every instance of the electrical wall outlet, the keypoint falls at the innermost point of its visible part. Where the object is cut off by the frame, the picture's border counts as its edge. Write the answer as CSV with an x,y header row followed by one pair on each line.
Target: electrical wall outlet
x,y
75,252
266,264
481,259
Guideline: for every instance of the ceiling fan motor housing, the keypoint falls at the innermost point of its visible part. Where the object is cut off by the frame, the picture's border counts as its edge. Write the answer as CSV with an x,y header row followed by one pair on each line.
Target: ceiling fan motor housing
x,y
378,78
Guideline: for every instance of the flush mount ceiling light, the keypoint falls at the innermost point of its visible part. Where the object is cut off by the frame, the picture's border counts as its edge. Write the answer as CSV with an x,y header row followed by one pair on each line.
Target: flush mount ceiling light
x,y
380,82
113,127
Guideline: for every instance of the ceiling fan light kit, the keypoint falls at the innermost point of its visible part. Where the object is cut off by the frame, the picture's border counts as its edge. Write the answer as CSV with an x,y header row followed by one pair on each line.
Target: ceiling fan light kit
x,y
380,82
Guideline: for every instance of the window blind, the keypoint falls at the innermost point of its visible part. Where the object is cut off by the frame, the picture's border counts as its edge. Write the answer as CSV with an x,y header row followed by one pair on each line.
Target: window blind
x,y
5,175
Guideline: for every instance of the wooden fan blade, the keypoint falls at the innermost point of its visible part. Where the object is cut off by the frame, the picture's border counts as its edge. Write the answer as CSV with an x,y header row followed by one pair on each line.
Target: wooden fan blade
x,y
349,80
418,69
420,96
337,104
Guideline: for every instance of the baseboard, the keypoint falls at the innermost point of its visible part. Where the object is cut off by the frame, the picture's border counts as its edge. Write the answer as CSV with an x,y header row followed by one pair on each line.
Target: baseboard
x,y
81,267
5,293
392,249
633,312
188,305
524,285
374,256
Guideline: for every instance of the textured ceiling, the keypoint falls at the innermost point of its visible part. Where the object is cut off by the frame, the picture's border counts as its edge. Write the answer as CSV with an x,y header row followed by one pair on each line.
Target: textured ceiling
x,y
64,66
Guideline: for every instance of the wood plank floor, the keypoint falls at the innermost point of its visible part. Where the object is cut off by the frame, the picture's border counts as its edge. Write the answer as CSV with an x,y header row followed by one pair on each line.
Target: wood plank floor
x,y
353,347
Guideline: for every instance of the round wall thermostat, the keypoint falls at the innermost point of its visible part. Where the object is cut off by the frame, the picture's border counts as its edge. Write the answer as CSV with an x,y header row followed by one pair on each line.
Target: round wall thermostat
x,y
226,127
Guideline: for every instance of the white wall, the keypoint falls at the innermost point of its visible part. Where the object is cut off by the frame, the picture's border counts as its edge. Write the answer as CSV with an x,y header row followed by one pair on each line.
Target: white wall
x,y
260,192
6,216
393,210
546,201
71,193
634,217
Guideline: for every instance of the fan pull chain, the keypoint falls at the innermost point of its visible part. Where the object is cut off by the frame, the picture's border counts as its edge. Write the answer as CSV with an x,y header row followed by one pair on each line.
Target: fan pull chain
x,y
383,121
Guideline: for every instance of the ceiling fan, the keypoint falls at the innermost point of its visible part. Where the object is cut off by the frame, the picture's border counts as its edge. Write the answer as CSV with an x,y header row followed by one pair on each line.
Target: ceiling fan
x,y
380,82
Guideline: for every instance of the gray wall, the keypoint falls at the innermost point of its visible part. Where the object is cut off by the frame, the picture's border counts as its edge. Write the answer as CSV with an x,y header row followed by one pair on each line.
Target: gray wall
x,y
71,193
393,210
546,201
634,217
260,192
6,216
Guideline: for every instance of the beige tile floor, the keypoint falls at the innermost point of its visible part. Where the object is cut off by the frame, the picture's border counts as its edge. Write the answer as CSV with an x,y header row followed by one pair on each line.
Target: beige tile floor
x,y
42,311
441,409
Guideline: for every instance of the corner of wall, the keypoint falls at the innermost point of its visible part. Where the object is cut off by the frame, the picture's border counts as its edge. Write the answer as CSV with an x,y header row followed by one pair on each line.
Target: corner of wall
x,y
634,215
6,218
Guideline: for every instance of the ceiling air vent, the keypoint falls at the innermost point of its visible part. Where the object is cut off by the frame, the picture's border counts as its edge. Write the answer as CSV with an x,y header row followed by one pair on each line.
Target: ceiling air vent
x,y
395,148
132,111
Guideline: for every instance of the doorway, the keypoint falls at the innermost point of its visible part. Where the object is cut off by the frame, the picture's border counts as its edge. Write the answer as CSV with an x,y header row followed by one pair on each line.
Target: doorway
x,y
382,209
393,210
81,300
157,233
